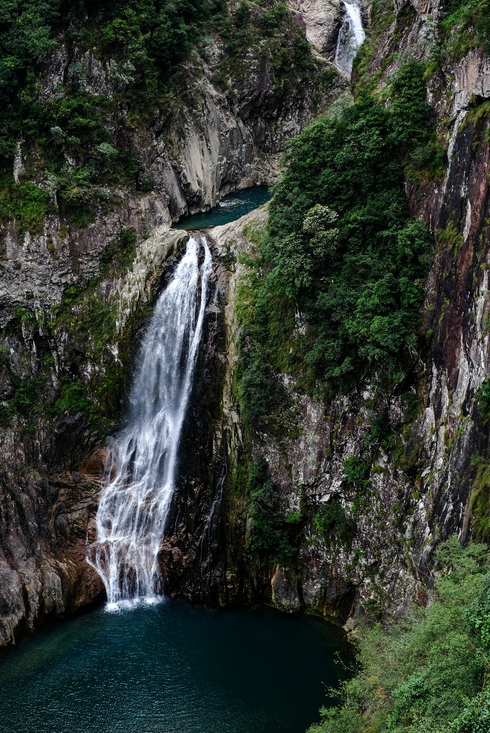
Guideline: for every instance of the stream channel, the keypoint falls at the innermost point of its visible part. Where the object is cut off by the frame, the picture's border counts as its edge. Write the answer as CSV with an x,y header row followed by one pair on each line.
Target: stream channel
x,y
230,208
143,664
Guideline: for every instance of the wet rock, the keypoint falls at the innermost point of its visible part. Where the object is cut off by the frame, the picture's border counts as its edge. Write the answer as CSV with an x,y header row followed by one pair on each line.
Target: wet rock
x,y
43,567
321,21
285,593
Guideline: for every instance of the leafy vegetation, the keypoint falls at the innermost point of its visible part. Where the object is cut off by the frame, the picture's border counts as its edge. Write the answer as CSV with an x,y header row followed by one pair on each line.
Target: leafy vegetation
x,y
25,402
73,399
276,538
336,287
332,521
356,471
467,25
480,499
482,397
144,40
76,140
428,672
27,203
120,252
269,30
463,25
88,318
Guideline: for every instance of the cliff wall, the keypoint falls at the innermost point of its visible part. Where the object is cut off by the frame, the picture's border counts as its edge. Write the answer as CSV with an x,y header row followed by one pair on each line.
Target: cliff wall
x,y
427,479
83,261
75,295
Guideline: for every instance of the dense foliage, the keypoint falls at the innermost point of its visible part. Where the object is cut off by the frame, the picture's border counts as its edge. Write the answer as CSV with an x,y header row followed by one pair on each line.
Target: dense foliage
x,y
458,27
143,39
269,29
471,19
76,137
338,283
428,672
270,535
79,78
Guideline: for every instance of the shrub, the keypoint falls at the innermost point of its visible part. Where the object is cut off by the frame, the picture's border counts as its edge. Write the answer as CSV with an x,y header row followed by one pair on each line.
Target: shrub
x,y
72,133
339,283
356,471
428,671
122,251
242,15
333,522
27,204
263,397
73,398
468,25
26,401
271,19
480,499
482,396
271,535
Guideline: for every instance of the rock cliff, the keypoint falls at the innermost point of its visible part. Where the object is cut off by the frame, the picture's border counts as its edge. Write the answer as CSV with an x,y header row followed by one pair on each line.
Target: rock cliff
x,y
75,295
78,283
428,480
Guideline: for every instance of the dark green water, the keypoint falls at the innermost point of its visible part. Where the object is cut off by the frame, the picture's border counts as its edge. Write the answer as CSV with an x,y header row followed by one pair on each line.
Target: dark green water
x,y
231,207
173,669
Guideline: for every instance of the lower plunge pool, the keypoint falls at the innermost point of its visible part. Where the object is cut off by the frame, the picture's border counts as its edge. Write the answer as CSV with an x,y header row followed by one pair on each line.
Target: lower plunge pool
x,y
230,208
171,668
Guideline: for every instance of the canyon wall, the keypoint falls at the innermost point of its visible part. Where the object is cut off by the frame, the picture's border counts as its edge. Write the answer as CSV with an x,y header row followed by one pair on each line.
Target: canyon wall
x,y
74,302
75,295
423,482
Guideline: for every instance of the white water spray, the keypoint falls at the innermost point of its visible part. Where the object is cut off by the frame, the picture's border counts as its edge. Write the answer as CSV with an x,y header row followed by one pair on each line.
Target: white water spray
x,y
136,498
351,36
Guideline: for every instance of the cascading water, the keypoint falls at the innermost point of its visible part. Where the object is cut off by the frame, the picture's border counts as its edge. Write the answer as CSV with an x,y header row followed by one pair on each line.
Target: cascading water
x,y
351,36
136,498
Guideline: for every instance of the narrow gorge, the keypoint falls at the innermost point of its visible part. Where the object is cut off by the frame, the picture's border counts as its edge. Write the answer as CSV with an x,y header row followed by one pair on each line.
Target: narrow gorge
x,y
244,359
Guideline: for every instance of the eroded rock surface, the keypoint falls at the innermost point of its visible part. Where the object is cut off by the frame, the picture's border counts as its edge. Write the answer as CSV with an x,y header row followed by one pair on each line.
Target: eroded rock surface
x,y
45,523
74,303
221,138
321,20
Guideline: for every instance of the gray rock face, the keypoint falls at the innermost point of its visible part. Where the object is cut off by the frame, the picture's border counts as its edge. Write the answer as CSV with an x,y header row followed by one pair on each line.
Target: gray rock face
x,y
471,78
321,21
222,136
425,496
227,137
53,468
44,524
422,494
284,584
421,499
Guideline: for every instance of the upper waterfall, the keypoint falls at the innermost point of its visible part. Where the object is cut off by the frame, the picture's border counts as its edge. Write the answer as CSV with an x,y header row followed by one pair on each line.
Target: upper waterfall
x,y
136,498
351,36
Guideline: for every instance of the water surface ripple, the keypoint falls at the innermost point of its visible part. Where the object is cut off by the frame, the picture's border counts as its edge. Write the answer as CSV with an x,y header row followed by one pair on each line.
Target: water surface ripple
x,y
170,668
230,208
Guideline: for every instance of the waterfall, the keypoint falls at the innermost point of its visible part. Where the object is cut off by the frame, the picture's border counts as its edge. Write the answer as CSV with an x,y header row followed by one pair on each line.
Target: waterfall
x,y
351,36
136,497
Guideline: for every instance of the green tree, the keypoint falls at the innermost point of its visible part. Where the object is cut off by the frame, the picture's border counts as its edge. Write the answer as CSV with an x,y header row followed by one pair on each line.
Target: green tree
x,y
343,264
428,671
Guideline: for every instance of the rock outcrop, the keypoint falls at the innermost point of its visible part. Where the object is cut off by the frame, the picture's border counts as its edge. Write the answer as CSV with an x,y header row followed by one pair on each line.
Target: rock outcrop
x,y
74,296
71,316
321,21
420,490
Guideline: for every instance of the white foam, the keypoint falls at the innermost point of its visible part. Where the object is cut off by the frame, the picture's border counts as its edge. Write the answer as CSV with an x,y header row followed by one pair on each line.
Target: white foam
x,y
351,36
135,501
